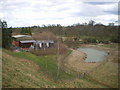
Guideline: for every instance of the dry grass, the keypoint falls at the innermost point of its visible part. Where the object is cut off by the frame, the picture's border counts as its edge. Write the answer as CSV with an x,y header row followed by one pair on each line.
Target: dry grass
x,y
107,72
76,61
104,73
22,73
18,73
45,35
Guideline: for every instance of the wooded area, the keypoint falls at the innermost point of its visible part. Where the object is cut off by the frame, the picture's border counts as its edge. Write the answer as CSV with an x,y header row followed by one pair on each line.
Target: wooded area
x,y
88,33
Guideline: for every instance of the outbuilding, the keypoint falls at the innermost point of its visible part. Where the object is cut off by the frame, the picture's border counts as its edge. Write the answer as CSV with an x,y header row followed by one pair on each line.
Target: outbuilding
x,y
27,42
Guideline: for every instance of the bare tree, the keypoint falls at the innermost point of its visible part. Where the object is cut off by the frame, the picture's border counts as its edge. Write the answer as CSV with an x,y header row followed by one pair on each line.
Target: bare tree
x,y
58,56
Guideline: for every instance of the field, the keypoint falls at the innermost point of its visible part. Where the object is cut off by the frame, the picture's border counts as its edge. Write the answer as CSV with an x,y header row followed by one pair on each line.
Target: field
x,y
26,70
107,72
59,44
20,72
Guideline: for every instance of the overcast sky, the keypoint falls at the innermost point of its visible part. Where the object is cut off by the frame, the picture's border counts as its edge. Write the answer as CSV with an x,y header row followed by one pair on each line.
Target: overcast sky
x,y
20,13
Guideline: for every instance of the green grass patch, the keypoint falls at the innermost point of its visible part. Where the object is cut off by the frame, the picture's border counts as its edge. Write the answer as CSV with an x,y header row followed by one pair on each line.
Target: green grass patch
x,y
114,45
47,63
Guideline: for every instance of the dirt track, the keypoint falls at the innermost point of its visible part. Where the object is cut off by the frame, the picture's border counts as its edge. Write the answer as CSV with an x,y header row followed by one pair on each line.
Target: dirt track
x,y
76,61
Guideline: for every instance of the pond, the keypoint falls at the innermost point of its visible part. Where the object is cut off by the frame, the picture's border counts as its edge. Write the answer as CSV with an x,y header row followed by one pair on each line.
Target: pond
x,y
93,55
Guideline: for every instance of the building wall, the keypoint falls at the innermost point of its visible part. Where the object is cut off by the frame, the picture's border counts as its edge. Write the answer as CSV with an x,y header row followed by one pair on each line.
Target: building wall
x,y
25,45
16,43
36,45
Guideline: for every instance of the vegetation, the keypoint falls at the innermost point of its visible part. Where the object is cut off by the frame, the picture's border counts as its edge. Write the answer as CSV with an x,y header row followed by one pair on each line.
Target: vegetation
x,y
26,31
6,35
45,69
110,46
23,73
44,35
107,72
50,51
25,70
91,33
47,63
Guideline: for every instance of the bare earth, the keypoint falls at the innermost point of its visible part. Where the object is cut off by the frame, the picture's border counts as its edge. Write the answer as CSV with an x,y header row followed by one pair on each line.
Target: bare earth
x,y
76,61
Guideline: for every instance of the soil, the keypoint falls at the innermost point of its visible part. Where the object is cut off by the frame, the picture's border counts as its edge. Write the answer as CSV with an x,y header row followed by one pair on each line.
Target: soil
x,y
76,60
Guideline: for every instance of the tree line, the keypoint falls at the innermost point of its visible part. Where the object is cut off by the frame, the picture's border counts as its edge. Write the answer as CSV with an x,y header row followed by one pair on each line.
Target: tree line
x,y
89,32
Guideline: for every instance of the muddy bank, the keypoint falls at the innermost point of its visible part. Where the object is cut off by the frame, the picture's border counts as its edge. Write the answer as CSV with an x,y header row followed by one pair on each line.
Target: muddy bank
x,y
76,61
98,71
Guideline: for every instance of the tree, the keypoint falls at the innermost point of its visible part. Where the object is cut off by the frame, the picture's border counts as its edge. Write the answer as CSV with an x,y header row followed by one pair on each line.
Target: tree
x,y
26,30
91,22
29,31
45,35
22,30
0,33
6,35
111,24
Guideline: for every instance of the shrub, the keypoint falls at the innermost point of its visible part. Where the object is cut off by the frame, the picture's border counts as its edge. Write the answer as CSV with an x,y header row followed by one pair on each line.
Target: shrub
x,y
89,40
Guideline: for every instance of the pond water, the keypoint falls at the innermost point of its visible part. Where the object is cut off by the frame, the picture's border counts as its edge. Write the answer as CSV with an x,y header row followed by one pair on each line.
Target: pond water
x,y
93,55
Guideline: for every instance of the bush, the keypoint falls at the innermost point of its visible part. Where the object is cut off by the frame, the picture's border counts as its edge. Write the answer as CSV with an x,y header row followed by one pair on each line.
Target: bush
x,y
115,39
89,40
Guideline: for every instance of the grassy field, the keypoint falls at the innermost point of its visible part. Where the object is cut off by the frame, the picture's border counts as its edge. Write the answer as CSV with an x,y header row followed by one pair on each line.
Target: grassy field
x,y
25,70
23,73
47,63
107,72
110,46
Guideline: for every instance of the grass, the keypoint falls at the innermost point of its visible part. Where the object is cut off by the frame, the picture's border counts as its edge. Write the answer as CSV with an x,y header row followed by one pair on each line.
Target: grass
x,y
26,70
22,73
106,75
47,63
114,45
107,72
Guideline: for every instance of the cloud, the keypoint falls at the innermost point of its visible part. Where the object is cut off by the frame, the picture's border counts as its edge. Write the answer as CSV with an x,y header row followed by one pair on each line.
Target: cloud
x,y
98,3
110,7
107,18
65,12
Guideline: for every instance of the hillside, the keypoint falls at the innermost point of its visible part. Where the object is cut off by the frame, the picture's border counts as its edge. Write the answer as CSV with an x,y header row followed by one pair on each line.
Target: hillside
x,y
22,70
19,73
107,72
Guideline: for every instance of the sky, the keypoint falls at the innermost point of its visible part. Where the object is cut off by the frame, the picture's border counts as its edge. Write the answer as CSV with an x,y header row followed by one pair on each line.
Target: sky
x,y
19,13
